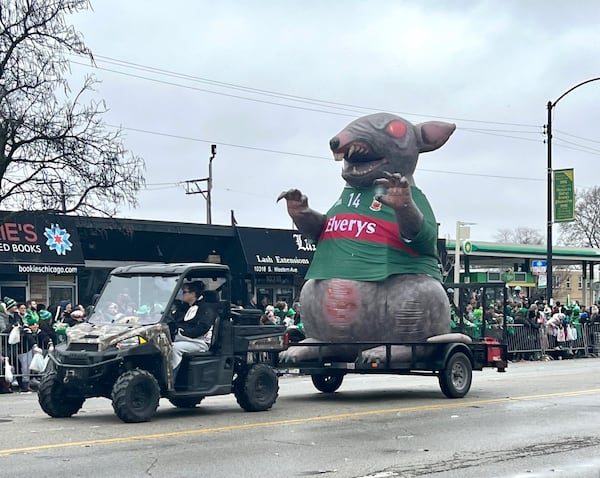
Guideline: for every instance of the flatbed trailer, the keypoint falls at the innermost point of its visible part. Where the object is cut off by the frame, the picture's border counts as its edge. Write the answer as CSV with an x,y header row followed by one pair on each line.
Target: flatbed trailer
x,y
452,363
481,345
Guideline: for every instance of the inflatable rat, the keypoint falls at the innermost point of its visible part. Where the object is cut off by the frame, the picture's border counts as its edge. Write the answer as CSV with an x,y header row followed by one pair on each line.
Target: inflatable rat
x,y
375,273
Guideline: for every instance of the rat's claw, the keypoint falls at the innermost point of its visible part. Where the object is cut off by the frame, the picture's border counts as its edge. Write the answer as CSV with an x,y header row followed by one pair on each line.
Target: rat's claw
x,y
282,195
290,195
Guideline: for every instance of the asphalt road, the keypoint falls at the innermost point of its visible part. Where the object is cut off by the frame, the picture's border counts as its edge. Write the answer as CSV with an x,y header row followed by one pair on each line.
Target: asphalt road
x,y
538,419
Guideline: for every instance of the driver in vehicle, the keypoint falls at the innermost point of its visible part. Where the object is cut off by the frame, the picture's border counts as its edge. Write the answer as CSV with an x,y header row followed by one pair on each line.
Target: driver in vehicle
x,y
192,331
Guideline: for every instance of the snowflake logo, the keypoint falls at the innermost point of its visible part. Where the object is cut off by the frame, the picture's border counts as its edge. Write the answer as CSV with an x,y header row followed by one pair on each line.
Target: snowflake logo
x,y
58,239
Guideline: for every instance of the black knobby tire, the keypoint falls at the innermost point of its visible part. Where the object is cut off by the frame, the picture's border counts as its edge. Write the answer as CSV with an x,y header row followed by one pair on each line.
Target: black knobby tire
x,y
455,379
185,402
327,383
54,399
135,396
256,390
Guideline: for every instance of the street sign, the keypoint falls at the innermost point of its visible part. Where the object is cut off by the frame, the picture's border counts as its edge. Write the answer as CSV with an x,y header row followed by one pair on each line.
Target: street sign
x,y
542,281
564,195
538,267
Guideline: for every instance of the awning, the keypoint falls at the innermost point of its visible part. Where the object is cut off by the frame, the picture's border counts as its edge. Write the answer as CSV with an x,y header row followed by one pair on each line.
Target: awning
x,y
521,284
275,251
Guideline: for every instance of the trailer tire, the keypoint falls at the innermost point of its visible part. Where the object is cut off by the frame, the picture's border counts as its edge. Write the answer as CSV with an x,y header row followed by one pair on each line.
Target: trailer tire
x,y
135,396
455,379
53,399
185,402
327,383
256,390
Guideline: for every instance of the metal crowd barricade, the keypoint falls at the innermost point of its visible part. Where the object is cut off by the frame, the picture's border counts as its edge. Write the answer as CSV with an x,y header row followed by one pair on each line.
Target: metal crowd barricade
x,y
578,345
524,339
18,360
591,335
7,351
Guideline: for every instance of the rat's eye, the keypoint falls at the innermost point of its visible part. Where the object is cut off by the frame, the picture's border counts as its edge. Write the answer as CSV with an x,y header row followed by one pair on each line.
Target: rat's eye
x,y
396,128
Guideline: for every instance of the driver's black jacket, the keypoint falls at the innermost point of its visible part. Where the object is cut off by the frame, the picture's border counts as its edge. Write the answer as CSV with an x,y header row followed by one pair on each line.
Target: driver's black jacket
x,y
200,318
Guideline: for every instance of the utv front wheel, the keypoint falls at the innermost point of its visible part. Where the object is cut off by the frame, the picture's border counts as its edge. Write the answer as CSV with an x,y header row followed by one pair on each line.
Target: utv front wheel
x,y
135,396
54,399
256,390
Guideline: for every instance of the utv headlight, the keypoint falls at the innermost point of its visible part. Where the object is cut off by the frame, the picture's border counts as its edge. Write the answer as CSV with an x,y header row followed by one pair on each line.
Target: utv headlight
x,y
130,342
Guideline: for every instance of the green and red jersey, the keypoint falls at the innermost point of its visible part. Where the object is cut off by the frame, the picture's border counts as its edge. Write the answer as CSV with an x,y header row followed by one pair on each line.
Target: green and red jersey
x,y
361,240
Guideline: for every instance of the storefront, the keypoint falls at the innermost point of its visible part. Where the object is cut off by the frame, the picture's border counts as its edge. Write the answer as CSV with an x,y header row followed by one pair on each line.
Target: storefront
x,y
40,257
110,242
275,263
49,258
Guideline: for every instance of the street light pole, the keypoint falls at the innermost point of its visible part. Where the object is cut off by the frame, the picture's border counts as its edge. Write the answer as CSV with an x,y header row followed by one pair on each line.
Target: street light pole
x,y
550,215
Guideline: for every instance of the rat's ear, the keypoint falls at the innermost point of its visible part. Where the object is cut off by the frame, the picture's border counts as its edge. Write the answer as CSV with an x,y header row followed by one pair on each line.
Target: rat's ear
x,y
433,134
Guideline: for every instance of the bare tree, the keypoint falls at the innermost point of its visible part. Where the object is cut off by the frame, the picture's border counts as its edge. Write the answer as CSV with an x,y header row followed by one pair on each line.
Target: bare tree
x,y
584,231
56,153
520,235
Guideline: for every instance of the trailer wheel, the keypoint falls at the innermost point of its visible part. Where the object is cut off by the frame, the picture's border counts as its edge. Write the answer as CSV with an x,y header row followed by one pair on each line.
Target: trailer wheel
x,y
53,399
185,402
135,396
455,379
256,390
327,383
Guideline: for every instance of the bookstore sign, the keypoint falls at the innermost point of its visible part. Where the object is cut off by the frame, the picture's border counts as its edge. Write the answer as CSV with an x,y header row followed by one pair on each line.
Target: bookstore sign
x,y
40,243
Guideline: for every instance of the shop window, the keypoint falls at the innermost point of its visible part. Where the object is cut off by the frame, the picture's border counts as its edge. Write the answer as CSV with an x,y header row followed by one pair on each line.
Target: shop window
x,y
58,293
62,287
17,291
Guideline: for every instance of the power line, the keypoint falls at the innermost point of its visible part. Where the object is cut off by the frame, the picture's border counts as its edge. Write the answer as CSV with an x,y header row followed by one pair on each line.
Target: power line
x,y
315,101
577,137
220,93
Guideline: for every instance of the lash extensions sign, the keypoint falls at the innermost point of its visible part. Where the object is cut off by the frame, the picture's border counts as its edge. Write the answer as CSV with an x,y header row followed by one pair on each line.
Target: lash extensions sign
x,y
276,251
39,239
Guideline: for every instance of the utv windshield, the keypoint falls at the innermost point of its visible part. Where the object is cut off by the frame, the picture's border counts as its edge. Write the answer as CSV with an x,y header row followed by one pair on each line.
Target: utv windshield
x,y
138,299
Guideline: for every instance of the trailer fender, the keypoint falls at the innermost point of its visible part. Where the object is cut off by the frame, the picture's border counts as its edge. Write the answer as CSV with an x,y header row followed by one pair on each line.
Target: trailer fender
x,y
450,349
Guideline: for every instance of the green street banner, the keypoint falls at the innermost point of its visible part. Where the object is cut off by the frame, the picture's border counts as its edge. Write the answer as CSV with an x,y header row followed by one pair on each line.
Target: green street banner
x,y
564,195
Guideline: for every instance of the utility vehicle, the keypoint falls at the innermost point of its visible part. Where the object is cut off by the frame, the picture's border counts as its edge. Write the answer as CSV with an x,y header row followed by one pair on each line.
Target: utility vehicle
x,y
124,353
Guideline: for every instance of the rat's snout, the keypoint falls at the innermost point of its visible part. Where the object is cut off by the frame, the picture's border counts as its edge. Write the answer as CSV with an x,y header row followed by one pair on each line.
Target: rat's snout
x,y
334,143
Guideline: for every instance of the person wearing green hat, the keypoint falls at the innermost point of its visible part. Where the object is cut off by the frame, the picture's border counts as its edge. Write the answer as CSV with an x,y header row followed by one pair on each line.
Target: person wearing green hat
x,y
288,320
12,312
46,335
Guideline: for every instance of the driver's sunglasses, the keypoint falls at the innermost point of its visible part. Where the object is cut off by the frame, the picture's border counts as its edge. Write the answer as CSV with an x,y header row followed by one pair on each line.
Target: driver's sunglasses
x,y
186,291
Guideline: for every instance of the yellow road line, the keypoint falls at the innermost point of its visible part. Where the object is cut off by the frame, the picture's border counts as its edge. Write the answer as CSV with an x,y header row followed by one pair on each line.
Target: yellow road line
x,y
295,421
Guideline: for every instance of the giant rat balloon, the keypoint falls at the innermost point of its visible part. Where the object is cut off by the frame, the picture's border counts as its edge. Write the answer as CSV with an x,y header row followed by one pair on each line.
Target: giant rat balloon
x,y
375,273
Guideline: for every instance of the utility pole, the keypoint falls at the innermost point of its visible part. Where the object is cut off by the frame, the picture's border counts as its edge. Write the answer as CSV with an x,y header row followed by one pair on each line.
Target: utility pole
x,y
63,196
63,199
192,186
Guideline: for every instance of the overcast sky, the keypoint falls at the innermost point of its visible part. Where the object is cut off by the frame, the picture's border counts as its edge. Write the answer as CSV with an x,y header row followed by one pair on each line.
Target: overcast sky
x,y
270,82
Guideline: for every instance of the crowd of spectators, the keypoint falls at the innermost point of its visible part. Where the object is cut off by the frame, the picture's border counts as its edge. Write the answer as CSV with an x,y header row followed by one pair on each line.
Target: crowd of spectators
x,y
30,329
557,327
